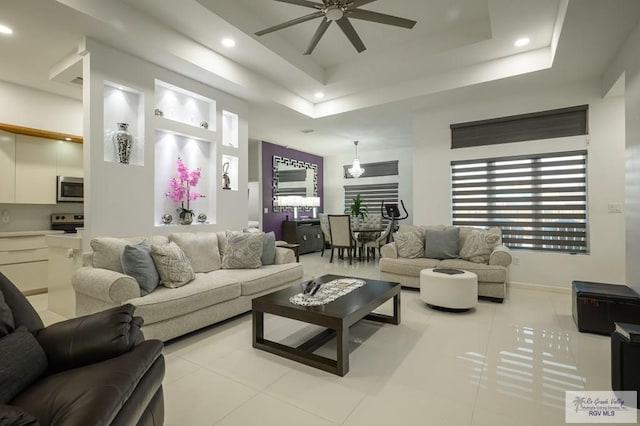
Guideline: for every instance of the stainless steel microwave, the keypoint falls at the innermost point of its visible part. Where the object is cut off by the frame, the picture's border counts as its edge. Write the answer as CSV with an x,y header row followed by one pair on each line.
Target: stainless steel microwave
x,y
70,189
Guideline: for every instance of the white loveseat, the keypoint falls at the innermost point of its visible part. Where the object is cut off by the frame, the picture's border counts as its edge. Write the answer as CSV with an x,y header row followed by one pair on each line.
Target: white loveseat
x,y
171,312
492,274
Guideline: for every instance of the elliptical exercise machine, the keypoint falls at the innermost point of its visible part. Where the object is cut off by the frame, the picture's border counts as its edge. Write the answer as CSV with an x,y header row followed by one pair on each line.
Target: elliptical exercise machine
x,y
391,212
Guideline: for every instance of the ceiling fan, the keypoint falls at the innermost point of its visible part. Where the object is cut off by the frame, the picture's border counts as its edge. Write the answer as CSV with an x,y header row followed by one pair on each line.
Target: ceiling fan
x,y
339,11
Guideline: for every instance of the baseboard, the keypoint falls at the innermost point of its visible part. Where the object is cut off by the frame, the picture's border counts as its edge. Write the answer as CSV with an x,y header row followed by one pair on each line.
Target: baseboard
x,y
539,287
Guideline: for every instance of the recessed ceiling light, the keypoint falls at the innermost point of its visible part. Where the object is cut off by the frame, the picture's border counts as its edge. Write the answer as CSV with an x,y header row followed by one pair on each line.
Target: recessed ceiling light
x,y
319,95
5,30
522,41
228,42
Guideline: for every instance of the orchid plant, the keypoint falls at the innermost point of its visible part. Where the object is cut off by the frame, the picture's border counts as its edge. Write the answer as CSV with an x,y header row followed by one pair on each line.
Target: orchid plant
x,y
181,187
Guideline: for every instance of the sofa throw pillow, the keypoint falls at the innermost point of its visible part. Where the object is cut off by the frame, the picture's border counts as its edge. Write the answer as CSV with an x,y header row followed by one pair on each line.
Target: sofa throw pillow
x,y
137,262
22,361
243,250
441,244
7,324
200,248
268,248
172,265
409,244
479,244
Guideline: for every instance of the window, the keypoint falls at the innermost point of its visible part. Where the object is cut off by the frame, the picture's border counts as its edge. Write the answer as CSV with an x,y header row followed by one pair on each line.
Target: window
x,y
539,201
372,196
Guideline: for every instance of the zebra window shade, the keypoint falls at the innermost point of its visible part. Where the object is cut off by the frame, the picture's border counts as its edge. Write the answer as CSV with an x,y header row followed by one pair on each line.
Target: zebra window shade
x,y
555,123
538,201
372,196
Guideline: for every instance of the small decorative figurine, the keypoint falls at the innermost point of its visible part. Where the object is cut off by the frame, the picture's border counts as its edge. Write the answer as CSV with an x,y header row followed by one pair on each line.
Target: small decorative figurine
x,y
225,176
167,218
204,124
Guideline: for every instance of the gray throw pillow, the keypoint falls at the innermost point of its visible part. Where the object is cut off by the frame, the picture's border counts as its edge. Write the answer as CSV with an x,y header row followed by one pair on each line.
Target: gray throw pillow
x,y
269,248
243,250
137,262
441,244
7,324
409,244
22,362
172,265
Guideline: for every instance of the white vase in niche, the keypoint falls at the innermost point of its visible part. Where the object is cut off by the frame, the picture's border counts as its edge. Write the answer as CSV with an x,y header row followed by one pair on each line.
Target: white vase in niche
x,y
122,141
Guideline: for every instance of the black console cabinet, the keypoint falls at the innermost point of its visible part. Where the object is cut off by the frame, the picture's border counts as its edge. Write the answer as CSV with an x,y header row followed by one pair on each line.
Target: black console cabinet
x,y
596,306
306,232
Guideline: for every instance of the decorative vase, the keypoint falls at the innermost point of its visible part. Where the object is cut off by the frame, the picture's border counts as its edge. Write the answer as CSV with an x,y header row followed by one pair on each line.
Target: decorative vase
x,y
187,219
122,140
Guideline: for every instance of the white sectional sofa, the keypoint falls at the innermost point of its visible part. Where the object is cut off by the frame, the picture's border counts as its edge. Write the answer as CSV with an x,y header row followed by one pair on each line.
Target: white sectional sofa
x,y
492,272
171,312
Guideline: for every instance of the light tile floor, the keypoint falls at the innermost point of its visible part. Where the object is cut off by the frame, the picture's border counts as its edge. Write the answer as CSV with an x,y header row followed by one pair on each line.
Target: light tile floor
x,y
500,364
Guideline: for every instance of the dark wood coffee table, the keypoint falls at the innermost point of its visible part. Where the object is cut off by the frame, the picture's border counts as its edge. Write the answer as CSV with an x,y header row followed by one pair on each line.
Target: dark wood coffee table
x,y
336,316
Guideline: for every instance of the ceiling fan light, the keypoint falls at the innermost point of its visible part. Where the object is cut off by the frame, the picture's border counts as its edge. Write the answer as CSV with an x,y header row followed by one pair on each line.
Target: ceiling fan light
x,y
334,13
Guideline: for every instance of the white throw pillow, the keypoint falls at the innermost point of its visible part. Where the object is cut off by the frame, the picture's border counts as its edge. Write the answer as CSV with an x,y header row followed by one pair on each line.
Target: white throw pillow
x,y
410,244
172,265
243,250
479,244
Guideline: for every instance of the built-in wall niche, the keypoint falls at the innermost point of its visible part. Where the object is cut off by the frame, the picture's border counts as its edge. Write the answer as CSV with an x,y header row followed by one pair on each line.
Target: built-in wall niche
x,y
195,154
229,129
181,105
229,172
123,124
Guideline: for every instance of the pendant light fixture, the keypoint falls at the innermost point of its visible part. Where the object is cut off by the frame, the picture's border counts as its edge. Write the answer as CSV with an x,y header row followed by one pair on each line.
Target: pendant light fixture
x,y
356,171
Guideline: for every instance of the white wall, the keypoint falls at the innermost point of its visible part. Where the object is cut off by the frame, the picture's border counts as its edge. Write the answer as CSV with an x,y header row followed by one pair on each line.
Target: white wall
x,y
28,107
628,62
605,144
121,199
334,180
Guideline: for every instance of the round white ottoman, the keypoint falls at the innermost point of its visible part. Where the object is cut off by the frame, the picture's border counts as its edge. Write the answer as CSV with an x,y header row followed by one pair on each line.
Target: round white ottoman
x,y
455,291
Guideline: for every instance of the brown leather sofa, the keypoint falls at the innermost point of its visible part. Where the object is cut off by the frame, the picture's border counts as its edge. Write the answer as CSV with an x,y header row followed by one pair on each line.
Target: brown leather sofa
x,y
98,369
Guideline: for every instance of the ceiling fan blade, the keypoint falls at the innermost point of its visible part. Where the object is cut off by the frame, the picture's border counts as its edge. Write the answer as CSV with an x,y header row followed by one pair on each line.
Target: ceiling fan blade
x,y
290,23
381,18
358,3
317,36
351,34
304,3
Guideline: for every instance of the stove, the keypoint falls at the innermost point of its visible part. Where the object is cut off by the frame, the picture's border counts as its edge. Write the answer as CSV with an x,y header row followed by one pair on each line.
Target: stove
x,y
67,222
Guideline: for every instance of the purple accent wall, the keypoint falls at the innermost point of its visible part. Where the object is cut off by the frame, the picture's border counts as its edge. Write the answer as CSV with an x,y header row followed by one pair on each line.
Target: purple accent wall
x,y
273,221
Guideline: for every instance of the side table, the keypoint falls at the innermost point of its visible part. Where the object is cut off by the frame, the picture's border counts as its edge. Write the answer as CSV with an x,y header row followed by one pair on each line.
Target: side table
x,y
294,247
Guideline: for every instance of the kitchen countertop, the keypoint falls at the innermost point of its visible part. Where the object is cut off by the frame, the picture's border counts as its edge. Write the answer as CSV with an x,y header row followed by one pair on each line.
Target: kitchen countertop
x,y
68,241
29,233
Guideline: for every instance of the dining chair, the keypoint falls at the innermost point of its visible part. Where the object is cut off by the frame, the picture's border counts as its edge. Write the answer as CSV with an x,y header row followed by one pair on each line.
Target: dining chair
x,y
378,242
341,235
324,226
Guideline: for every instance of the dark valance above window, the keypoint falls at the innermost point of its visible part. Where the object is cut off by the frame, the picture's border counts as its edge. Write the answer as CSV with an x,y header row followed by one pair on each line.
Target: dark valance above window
x,y
382,168
555,123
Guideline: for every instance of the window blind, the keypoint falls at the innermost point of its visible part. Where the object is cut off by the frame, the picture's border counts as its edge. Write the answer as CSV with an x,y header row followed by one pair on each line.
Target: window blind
x,y
539,201
372,196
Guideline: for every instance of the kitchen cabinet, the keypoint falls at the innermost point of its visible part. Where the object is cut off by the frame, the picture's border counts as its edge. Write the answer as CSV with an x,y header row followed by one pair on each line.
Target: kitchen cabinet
x,y
65,257
306,232
7,167
23,259
35,175
69,159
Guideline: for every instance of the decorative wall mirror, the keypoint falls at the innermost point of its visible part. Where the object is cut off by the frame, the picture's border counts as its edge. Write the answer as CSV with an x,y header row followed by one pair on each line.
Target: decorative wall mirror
x,y
293,177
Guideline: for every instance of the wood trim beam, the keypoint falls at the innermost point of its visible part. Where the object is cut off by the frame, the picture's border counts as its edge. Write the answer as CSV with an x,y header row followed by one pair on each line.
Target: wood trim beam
x,y
29,131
